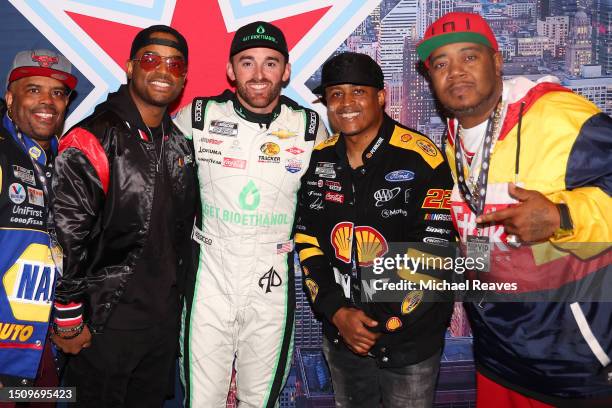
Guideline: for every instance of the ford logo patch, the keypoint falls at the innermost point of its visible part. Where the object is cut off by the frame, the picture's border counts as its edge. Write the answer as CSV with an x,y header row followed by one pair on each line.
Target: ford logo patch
x,y
399,175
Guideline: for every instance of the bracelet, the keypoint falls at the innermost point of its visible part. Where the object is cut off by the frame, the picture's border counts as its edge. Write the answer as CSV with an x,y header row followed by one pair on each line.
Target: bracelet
x,y
59,331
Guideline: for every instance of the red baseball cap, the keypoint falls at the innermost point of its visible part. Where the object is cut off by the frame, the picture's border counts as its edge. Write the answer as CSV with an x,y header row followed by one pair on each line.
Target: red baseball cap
x,y
453,28
42,62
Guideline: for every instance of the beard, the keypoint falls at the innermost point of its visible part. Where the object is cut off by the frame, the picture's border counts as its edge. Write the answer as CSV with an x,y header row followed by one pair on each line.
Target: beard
x,y
482,106
256,99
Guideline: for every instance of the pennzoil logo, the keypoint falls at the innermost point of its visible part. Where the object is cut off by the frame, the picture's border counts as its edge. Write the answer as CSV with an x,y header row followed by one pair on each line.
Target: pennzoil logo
x,y
427,147
29,284
370,243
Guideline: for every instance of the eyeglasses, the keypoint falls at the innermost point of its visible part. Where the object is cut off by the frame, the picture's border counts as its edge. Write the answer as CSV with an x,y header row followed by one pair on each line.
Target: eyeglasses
x,y
176,65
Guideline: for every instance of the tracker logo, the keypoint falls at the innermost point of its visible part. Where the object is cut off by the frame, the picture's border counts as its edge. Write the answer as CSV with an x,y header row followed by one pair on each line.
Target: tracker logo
x,y
270,280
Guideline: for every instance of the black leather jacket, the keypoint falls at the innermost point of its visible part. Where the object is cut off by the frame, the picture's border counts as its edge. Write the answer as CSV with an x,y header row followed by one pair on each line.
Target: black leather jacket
x,y
104,190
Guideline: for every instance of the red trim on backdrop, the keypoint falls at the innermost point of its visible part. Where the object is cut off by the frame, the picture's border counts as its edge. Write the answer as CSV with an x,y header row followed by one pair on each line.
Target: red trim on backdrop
x,y
87,143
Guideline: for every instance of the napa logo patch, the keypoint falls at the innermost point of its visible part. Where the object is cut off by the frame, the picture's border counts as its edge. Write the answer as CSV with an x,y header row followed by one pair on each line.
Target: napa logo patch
x,y
29,284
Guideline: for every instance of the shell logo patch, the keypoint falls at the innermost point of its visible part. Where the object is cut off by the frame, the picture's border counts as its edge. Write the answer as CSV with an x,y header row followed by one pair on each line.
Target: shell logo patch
x,y
313,288
370,245
393,323
29,284
411,301
342,241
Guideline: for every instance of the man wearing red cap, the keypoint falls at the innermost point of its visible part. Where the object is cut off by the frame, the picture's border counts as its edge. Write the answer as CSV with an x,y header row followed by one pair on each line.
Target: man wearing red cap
x,y
39,86
556,146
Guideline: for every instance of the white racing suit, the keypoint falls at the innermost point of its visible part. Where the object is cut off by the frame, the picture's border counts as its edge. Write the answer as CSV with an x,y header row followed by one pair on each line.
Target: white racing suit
x,y
242,304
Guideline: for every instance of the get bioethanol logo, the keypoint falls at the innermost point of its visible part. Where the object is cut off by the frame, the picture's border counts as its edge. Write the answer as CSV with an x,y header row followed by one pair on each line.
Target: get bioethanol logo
x,y
249,197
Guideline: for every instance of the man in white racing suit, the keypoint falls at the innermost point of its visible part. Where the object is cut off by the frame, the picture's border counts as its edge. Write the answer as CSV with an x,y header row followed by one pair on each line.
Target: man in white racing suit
x,y
252,147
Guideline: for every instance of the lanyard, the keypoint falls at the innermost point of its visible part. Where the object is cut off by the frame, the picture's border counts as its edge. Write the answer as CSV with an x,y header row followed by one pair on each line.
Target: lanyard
x,y
476,198
42,174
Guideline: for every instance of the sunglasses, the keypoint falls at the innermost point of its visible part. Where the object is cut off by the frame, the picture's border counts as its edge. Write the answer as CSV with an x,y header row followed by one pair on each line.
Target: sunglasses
x,y
175,65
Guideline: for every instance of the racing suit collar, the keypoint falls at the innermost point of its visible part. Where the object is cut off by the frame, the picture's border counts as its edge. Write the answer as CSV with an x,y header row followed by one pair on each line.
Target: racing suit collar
x,y
261,118
378,144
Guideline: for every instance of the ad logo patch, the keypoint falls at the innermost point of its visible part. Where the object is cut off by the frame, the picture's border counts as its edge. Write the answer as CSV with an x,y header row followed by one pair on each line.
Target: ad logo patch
x,y
17,193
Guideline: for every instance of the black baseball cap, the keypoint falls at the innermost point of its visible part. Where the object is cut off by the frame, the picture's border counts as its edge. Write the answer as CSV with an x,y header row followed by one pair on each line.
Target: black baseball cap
x,y
350,68
259,34
143,38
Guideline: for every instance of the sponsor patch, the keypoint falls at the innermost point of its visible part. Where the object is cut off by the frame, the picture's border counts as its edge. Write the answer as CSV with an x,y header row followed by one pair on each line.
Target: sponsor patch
x,y
270,149
411,301
313,288
334,197
269,280
333,185
234,163
437,198
35,152
438,217
385,195
399,175
293,165
36,197
436,241
406,138
220,127
306,271
211,141
295,150
23,174
393,323
325,170
17,193
437,230
209,151
283,133
427,147
390,213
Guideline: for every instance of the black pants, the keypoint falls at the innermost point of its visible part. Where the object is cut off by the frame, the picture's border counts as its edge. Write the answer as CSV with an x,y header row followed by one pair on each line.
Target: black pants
x,y
125,368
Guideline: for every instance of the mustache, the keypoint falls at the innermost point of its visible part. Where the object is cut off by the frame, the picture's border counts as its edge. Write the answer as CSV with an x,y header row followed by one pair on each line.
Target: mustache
x,y
44,108
163,77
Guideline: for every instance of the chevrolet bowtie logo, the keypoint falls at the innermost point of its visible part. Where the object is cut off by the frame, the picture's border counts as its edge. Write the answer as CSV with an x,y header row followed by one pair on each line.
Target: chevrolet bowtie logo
x,y
283,134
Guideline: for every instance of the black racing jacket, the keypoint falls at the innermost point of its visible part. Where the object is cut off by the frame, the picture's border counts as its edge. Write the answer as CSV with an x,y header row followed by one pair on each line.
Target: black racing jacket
x,y
347,217
104,192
